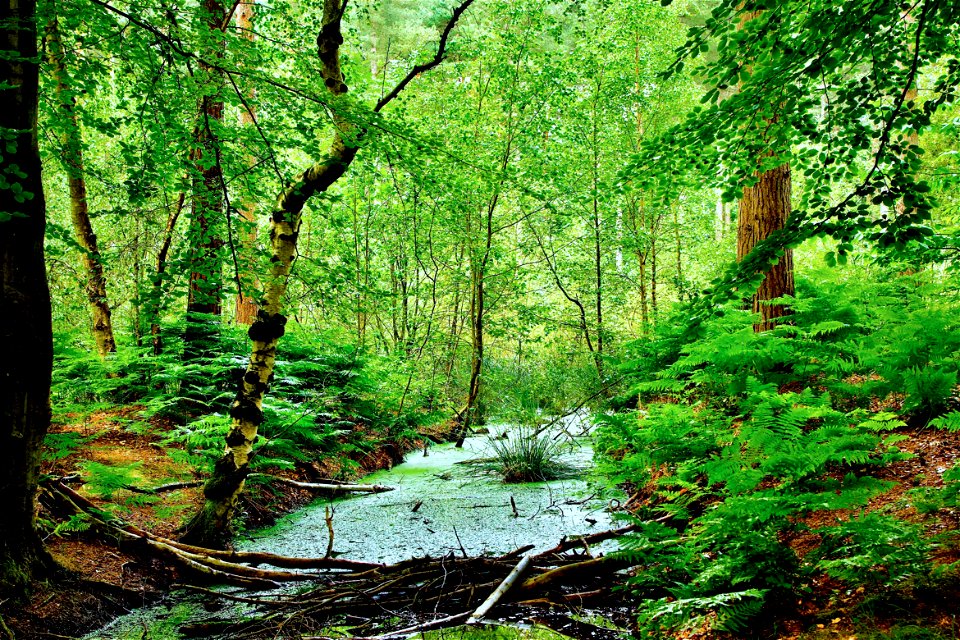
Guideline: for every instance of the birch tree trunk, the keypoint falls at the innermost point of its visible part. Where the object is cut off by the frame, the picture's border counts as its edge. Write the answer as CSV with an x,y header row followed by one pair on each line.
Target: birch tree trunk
x,y
211,525
69,126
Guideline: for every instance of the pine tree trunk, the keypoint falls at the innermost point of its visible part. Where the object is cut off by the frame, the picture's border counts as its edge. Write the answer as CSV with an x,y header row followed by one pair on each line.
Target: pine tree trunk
x,y
25,314
764,208
96,285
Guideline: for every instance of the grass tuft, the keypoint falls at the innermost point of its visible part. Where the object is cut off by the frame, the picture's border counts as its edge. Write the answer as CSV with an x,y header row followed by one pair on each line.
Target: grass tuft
x,y
529,457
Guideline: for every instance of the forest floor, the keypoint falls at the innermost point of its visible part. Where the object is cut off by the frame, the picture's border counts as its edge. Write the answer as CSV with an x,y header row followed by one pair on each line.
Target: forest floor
x,y
107,581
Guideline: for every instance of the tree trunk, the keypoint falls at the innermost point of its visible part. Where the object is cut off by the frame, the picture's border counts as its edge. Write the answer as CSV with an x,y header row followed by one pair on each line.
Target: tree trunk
x,y
69,125
207,209
245,311
211,525
156,296
912,140
477,303
653,278
681,285
764,208
25,314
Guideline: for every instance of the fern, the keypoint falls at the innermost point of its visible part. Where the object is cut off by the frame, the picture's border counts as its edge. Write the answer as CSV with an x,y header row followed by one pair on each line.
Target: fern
x,y
105,480
732,611
57,446
948,422
76,523
873,549
764,428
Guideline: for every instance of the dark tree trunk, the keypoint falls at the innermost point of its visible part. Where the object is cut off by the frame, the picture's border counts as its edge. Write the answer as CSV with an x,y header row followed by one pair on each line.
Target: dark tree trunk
x,y
25,324
764,208
207,209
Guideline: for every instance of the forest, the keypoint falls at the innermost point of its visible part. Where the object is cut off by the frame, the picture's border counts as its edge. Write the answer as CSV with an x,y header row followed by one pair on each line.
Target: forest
x,y
492,320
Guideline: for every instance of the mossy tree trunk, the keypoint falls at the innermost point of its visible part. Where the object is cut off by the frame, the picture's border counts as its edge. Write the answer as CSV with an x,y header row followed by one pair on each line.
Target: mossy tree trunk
x,y
71,137
25,325
207,213
211,525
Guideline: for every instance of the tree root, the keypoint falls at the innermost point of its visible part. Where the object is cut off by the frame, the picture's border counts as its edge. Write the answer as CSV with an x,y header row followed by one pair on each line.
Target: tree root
x,y
230,567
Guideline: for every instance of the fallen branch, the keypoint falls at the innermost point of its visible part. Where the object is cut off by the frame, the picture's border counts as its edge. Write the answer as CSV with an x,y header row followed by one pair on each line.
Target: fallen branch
x,y
500,591
323,486
227,566
579,541
164,488
587,568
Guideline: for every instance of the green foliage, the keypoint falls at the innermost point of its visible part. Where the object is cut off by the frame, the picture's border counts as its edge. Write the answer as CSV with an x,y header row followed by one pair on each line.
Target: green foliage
x,y
873,549
57,446
325,400
930,500
733,611
104,480
742,434
77,523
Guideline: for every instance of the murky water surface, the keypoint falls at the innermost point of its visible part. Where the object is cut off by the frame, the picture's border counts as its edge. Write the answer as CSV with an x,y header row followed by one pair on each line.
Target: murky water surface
x,y
439,506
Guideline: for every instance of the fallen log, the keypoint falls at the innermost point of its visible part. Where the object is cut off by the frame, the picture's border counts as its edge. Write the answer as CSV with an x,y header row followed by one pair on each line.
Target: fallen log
x,y
447,591
228,566
164,488
587,568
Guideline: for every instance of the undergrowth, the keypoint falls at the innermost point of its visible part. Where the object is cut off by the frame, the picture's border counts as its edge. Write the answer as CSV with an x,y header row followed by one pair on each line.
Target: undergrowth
x,y
739,436
326,401
526,456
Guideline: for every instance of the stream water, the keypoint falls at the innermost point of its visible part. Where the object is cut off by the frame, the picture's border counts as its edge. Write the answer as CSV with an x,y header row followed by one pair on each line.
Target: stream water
x,y
439,506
